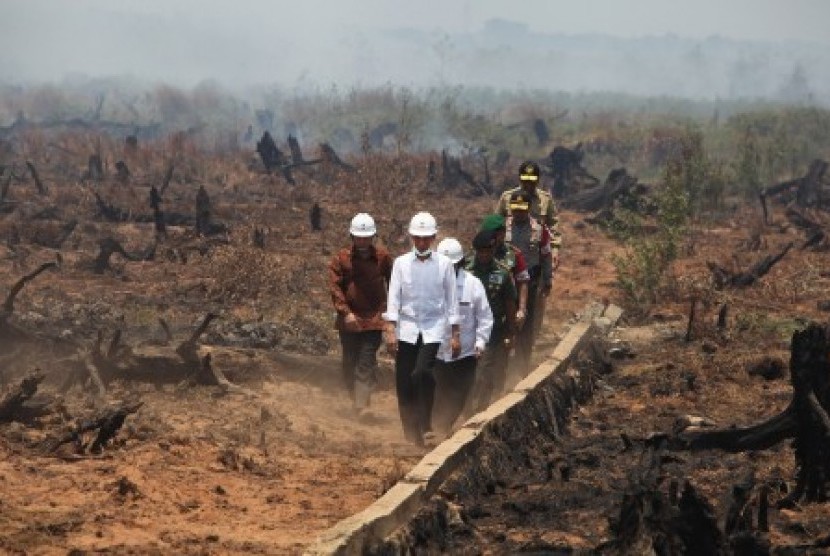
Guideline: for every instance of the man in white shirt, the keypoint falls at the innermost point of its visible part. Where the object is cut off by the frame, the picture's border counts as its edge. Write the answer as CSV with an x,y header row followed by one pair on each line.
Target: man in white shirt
x,y
420,308
454,376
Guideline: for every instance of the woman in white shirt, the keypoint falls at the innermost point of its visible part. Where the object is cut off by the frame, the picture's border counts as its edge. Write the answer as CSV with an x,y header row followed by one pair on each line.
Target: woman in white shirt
x,y
420,308
455,375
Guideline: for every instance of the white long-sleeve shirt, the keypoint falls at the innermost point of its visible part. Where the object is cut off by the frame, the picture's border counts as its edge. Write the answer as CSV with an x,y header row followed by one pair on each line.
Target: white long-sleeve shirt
x,y
422,298
476,317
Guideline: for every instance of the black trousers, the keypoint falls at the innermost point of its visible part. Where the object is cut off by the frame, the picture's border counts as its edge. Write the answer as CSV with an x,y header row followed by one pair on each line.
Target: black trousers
x,y
453,385
360,364
415,387
526,337
491,373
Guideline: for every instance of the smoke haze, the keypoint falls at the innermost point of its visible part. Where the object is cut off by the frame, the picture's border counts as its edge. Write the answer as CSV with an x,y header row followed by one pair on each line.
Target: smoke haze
x,y
764,49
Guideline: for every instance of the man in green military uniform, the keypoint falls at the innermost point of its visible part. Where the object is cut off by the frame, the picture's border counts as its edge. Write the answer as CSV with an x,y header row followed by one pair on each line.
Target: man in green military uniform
x,y
542,207
511,259
491,373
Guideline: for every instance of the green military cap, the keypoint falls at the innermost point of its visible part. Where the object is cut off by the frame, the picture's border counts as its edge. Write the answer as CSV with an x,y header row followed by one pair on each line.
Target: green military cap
x,y
492,222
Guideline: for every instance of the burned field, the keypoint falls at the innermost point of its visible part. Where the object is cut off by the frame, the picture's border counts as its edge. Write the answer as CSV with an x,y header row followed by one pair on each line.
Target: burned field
x,y
170,373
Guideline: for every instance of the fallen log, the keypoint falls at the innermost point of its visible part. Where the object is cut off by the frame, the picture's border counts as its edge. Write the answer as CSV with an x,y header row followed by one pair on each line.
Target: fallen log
x,y
723,277
602,197
815,230
155,364
805,191
107,423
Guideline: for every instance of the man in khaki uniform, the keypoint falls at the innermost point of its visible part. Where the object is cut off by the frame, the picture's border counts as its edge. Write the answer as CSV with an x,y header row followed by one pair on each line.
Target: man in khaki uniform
x,y
542,207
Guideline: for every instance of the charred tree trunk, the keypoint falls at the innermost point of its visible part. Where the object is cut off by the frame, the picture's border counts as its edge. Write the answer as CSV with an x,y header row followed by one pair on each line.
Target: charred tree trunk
x,y
296,152
805,191
39,184
602,197
805,419
449,178
315,217
95,168
158,215
8,305
203,211
11,407
110,212
273,158
328,155
107,247
723,277
184,363
204,215
108,422
122,172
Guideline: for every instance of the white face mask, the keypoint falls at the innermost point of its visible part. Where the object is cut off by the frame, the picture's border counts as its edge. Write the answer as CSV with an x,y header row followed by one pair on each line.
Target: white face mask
x,y
425,253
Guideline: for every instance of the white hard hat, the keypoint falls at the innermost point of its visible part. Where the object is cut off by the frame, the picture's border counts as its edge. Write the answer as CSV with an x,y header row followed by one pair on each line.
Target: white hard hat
x,y
363,225
423,225
452,249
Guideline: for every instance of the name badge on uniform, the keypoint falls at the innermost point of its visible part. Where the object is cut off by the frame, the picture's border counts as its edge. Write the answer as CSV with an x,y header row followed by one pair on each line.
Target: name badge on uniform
x,y
464,303
496,279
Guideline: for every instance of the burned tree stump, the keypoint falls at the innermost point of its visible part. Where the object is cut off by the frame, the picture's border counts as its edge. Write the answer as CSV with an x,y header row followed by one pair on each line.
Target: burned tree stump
x,y
805,420
11,406
95,168
567,170
315,217
296,152
650,522
273,158
158,216
204,215
122,172
258,239
107,247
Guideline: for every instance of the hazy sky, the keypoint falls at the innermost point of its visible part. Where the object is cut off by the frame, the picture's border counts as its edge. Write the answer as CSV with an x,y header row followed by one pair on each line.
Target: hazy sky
x,y
247,41
742,19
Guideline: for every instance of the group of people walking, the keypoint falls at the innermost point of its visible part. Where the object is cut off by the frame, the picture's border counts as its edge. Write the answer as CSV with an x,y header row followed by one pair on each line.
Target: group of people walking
x,y
449,317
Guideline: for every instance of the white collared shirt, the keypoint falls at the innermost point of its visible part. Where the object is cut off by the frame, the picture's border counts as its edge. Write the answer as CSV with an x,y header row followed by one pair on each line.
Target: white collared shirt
x,y
422,298
476,317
